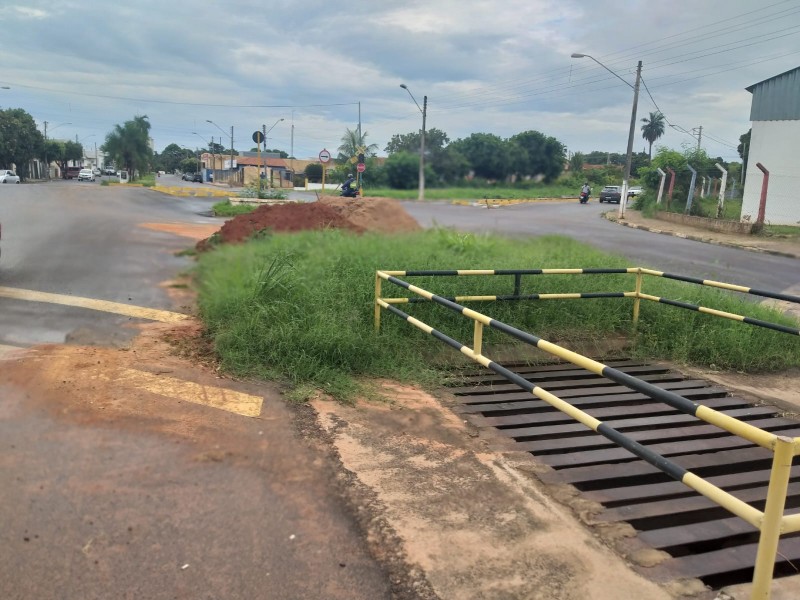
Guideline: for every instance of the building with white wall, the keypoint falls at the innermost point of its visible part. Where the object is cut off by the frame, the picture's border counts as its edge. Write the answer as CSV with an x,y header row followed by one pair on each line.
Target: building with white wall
x,y
775,143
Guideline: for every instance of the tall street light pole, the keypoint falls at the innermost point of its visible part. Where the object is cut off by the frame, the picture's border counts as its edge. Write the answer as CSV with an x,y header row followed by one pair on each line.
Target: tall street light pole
x,y
623,199
230,181
424,111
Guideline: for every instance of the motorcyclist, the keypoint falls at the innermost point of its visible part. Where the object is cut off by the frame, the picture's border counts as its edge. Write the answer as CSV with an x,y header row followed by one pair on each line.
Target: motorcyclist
x,y
586,189
347,186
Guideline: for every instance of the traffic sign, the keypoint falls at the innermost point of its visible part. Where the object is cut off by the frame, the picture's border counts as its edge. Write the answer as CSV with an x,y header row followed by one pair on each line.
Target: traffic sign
x,y
361,167
258,137
324,156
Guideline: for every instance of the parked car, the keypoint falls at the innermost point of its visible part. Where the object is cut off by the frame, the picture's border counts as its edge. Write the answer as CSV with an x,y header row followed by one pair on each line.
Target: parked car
x,y
611,193
71,172
634,191
109,171
196,177
7,176
96,172
85,175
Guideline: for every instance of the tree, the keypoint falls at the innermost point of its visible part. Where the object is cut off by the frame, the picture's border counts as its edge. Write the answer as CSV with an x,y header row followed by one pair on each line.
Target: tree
x,y
576,162
744,149
451,166
545,155
351,142
313,172
282,153
402,170
486,153
68,151
129,145
188,165
20,140
172,156
652,129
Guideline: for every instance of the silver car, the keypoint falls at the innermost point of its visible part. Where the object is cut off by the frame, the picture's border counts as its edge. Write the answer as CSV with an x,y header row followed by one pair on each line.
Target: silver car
x,y
7,176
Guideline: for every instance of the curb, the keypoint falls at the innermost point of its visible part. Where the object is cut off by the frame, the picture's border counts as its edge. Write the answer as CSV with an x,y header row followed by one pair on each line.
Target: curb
x,y
696,238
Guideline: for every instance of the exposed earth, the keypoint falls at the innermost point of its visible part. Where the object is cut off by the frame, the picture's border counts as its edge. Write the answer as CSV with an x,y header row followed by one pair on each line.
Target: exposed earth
x,y
448,511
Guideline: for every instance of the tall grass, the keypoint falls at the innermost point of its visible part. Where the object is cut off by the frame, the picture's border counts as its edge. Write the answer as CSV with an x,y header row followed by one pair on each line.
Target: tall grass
x,y
299,307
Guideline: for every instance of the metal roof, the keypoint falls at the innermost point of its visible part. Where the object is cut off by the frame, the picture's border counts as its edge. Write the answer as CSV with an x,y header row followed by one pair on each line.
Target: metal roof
x,y
776,98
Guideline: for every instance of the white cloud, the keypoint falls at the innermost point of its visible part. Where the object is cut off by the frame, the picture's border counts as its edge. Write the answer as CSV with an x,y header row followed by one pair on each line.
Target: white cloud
x,y
25,12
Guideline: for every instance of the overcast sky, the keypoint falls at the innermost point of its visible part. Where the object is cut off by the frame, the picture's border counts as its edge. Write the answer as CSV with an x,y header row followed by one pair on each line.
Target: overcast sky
x,y
486,66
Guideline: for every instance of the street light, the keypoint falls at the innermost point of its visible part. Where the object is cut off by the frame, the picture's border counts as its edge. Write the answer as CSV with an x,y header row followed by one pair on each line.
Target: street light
x,y
623,199
266,131
230,181
424,111
213,156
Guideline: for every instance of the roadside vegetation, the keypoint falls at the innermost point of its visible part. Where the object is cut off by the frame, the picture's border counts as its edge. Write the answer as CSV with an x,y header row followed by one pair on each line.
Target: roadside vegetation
x,y
479,193
299,308
226,209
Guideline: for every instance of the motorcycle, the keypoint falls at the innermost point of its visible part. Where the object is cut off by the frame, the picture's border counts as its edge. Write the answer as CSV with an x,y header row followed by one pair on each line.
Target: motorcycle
x,y
584,197
349,192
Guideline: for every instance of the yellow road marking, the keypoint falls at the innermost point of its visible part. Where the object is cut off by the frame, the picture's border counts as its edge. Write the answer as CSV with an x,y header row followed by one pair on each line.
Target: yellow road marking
x,y
139,312
216,397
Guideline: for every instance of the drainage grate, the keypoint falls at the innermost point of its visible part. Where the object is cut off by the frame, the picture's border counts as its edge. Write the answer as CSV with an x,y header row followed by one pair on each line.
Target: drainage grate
x,y
703,540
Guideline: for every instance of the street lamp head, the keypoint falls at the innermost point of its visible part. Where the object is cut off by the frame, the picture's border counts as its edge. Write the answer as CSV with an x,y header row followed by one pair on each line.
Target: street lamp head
x,y
579,55
4,87
404,86
209,121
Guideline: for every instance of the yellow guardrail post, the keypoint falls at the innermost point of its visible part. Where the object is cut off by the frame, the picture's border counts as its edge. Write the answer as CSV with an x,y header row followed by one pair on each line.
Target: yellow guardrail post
x,y
637,299
773,517
477,338
377,306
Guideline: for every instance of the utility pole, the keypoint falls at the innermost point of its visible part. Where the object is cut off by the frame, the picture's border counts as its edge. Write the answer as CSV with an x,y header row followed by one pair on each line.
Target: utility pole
x,y
46,164
699,131
624,198
269,181
230,181
422,150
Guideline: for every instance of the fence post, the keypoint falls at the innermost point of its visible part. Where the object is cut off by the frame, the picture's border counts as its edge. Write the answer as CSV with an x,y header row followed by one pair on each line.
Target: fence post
x,y
690,197
671,185
661,185
773,516
377,306
477,339
721,202
703,187
636,300
762,205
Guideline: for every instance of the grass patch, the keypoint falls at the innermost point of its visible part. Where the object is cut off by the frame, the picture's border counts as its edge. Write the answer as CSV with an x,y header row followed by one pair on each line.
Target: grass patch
x,y
148,180
226,209
476,193
105,182
299,308
781,231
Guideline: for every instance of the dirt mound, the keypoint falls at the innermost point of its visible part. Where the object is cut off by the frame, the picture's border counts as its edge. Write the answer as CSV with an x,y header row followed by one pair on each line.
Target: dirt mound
x,y
358,215
384,215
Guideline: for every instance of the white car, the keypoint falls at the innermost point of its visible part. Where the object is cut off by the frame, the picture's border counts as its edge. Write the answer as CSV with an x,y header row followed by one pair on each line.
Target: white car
x,y
86,175
96,172
7,176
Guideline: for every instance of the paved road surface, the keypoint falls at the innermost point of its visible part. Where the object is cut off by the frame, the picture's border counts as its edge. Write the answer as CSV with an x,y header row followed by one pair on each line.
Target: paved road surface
x,y
642,248
108,489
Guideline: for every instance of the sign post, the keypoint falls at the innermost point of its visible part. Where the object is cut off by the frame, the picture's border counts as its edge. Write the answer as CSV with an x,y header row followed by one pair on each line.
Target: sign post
x,y
258,137
324,158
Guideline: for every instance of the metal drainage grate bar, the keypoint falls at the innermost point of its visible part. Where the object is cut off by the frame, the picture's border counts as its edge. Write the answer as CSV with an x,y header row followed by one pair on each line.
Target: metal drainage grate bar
x,y
704,540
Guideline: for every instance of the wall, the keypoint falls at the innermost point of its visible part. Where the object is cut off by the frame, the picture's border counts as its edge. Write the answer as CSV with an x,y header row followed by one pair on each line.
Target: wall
x,y
776,145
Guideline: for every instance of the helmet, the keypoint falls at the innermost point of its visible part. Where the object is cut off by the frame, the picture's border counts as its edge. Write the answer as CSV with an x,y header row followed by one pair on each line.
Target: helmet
x,y
585,183
349,174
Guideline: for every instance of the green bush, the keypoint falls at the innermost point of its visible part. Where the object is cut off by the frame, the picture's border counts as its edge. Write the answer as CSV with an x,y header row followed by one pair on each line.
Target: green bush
x,y
226,209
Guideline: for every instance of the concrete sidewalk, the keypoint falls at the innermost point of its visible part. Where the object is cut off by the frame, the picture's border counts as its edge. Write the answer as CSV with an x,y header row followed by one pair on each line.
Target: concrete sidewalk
x,y
780,246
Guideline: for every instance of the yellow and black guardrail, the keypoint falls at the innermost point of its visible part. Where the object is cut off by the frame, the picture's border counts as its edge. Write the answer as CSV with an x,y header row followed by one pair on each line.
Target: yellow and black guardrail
x,y
771,522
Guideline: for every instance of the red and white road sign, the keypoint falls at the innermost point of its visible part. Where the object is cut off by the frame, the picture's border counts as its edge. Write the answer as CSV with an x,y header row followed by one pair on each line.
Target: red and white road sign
x,y
361,167
324,156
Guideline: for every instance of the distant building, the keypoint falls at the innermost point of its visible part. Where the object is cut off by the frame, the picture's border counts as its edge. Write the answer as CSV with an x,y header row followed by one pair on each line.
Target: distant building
x,y
775,143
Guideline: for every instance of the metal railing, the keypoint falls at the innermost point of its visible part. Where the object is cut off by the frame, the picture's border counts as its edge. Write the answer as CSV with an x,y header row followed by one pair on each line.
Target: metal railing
x,y
771,522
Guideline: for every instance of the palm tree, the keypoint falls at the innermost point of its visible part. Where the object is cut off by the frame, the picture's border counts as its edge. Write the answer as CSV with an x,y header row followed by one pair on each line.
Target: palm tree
x,y
652,129
129,146
350,144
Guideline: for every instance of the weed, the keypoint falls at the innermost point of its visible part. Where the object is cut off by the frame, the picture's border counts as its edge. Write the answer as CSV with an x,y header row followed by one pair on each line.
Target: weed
x,y
226,209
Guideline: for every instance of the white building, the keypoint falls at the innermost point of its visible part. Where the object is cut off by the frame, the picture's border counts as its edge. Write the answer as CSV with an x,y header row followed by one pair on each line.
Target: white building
x,y
775,143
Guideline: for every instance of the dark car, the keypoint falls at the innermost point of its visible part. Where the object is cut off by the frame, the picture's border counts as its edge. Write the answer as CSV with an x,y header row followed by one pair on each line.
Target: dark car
x,y
611,193
196,177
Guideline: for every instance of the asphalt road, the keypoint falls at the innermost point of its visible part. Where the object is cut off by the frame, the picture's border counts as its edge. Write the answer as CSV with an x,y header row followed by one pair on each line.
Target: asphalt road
x,y
641,248
108,491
